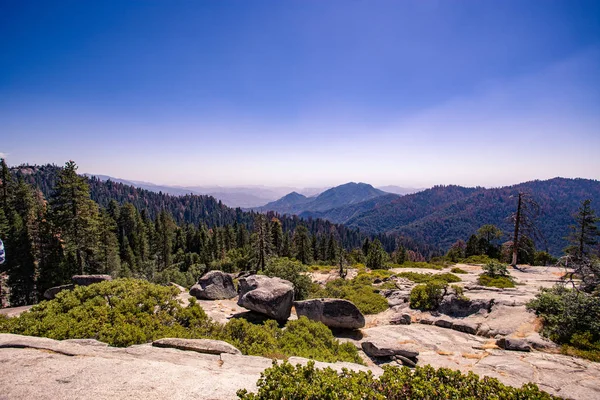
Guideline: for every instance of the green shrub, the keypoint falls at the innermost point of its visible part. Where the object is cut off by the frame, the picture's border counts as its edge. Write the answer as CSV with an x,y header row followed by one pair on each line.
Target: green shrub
x,y
285,381
425,278
478,259
293,271
457,270
358,290
427,297
495,269
124,312
570,318
121,312
501,282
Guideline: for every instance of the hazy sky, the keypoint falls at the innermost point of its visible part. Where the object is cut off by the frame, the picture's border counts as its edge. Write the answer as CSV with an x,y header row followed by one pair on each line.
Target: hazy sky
x,y
305,93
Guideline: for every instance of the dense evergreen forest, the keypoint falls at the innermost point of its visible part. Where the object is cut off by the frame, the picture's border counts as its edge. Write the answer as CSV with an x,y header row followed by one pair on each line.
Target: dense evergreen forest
x,y
443,214
56,223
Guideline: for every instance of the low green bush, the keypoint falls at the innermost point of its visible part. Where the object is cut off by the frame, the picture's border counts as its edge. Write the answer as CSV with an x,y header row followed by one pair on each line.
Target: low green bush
x,y
293,271
457,270
427,297
124,312
424,278
359,291
415,264
285,381
494,269
501,282
477,259
570,318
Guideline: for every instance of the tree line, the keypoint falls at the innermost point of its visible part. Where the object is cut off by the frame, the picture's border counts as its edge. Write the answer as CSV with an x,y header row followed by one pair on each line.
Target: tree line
x,y
84,226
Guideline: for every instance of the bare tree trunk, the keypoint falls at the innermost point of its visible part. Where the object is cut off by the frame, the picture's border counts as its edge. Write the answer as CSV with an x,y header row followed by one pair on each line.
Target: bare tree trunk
x,y
516,235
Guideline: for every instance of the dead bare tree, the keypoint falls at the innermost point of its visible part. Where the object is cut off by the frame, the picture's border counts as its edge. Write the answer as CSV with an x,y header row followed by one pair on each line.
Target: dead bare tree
x,y
524,220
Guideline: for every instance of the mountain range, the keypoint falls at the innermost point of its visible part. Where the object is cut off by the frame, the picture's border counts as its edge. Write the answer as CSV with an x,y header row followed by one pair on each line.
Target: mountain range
x,y
441,215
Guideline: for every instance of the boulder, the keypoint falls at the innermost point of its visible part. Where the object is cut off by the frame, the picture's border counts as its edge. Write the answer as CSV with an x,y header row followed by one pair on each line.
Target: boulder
x,y
270,296
402,319
465,326
396,297
460,306
388,349
53,291
443,323
206,346
334,313
539,343
214,285
513,344
85,280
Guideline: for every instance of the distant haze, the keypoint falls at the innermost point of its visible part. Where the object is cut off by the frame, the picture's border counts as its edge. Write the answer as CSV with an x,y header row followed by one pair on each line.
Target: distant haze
x,y
304,94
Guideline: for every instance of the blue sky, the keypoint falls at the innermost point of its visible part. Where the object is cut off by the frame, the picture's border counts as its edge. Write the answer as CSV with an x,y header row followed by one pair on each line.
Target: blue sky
x,y
304,93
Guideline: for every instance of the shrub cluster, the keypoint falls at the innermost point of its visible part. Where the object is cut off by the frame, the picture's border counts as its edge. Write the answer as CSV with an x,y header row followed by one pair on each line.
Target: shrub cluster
x,y
570,318
419,264
359,291
457,270
425,278
427,297
124,312
496,275
285,381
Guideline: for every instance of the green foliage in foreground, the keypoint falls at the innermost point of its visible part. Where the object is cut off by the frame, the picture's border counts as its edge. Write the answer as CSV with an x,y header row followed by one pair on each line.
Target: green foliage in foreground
x,y
124,312
305,382
457,270
425,278
428,296
570,318
359,291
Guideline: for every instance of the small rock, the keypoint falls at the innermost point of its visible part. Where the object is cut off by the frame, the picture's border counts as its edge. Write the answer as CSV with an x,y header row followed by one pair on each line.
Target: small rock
x,y
427,321
334,313
206,346
460,306
443,323
388,349
51,293
513,344
85,280
465,326
402,319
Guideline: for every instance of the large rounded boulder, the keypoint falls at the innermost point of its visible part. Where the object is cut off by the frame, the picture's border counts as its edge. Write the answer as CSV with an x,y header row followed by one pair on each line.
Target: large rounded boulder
x,y
334,313
214,285
272,297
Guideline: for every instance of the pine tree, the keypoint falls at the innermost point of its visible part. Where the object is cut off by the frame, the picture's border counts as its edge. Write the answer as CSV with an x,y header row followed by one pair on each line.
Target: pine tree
x,y
75,216
286,248
376,255
262,241
332,249
584,234
165,235
108,245
301,242
401,254
277,236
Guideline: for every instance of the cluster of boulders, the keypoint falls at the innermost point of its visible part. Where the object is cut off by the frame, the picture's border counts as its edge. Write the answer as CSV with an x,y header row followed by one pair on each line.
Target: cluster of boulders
x,y
78,280
274,297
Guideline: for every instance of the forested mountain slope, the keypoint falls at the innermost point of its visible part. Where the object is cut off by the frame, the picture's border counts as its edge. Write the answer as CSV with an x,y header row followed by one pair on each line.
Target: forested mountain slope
x,y
443,214
189,208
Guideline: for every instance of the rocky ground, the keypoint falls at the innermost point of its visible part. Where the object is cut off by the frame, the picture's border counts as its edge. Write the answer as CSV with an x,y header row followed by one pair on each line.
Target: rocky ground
x,y
72,370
